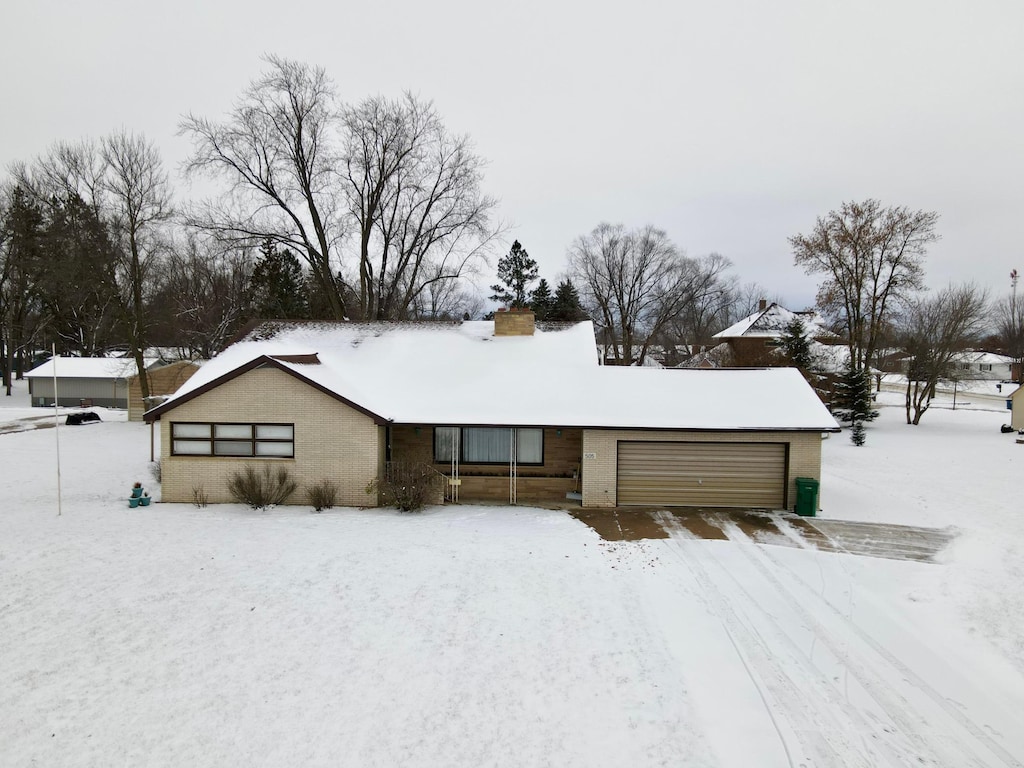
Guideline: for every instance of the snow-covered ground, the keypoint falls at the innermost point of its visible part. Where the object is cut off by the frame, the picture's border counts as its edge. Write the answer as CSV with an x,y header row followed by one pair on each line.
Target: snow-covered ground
x,y
495,636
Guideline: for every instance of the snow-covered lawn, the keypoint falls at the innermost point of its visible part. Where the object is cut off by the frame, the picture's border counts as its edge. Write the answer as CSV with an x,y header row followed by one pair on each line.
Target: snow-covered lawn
x,y
495,636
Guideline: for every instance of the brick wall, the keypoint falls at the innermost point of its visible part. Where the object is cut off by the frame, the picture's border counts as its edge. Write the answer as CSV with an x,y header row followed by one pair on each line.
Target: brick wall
x,y
600,457
332,441
516,323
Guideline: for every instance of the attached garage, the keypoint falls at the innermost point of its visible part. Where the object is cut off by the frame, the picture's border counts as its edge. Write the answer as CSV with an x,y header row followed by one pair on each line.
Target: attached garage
x,y
702,474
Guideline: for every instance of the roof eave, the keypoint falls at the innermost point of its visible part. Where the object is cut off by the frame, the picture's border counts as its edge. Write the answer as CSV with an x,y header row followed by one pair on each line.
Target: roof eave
x,y
154,414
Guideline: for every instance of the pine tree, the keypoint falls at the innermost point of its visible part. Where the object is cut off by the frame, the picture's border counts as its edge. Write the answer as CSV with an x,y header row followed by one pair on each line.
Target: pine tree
x,y
857,436
566,304
852,400
23,231
515,271
278,285
796,345
541,300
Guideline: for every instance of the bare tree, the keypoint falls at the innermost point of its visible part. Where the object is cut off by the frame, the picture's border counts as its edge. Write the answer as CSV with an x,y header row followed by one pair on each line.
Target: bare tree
x,y
278,152
138,201
447,299
634,283
1008,319
934,329
712,298
122,180
202,296
871,258
747,299
306,171
414,192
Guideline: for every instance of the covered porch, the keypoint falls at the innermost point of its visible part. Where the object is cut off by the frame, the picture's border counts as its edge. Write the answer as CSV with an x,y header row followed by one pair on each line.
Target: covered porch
x,y
512,465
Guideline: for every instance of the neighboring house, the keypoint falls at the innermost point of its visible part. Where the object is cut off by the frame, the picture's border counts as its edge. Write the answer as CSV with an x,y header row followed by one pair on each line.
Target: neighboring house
x,y
88,381
504,411
969,365
163,382
755,339
975,364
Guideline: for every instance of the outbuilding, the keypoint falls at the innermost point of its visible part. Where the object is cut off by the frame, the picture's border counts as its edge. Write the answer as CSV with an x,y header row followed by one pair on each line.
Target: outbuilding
x,y
88,381
163,382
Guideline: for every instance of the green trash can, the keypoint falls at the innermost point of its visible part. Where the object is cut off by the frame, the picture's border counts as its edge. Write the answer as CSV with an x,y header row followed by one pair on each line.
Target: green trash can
x,y
806,496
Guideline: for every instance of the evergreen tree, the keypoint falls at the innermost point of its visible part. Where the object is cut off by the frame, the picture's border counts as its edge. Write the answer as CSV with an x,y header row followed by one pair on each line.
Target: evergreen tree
x,y
852,400
857,436
278,285
541,300
20,260
796,344
77,282
566,304
515,272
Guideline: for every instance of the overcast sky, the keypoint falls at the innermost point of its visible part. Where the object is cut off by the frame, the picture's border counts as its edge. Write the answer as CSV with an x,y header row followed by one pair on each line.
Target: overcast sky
x,y
732,125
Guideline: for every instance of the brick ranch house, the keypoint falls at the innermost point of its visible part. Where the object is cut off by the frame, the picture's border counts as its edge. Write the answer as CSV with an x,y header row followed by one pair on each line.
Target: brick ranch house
x,y
505,412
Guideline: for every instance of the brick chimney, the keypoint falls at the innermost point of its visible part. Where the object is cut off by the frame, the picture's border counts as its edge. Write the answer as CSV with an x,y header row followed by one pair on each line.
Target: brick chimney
x,y
762,305
516,322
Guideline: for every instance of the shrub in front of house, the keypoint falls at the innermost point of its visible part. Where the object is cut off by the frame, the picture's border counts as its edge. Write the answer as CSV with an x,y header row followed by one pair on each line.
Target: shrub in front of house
x,y
260,490
408,486
322,495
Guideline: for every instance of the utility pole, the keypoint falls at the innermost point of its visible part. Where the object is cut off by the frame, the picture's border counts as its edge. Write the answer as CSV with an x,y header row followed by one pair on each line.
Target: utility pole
x,y
1017,375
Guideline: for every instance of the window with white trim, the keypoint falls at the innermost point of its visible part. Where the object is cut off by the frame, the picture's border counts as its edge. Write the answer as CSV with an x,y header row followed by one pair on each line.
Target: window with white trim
x,y
489,445
275,441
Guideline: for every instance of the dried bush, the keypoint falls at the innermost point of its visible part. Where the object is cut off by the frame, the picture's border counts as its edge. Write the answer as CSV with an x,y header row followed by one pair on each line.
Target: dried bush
x,y
408,486
154,470
199,497
322,495
260,490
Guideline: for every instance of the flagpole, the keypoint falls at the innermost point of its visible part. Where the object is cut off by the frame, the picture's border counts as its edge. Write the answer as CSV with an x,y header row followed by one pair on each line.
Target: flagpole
x,y
56,422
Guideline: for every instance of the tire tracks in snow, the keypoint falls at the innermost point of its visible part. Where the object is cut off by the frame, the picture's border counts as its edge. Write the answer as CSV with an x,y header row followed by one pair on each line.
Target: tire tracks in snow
x,y
800,707
870,673
757,556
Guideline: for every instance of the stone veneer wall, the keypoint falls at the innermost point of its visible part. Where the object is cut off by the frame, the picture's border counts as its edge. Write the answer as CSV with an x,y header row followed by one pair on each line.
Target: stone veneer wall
x,y
332,441
601,454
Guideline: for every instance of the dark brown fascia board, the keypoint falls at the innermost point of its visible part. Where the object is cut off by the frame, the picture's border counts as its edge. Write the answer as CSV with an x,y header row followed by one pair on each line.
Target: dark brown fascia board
x,y
299,359
741,430
259,362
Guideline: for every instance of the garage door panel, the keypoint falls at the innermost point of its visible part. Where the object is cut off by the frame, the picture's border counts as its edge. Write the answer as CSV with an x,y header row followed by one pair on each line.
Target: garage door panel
x,y
702,474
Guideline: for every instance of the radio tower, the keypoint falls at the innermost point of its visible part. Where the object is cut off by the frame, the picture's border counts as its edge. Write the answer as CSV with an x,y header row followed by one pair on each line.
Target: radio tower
x,y
1013,289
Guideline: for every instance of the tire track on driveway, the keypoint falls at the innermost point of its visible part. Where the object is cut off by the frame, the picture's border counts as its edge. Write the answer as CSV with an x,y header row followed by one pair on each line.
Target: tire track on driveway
x,y
798,702
875,668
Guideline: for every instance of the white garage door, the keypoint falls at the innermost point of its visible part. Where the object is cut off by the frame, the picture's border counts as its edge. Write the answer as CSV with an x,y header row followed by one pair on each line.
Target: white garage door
x,y
702,474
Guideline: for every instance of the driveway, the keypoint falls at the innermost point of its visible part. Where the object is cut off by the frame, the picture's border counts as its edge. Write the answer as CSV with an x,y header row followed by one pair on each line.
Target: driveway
x,y
894,542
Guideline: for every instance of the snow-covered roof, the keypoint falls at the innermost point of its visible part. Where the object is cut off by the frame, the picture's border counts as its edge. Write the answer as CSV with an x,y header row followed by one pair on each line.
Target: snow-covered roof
x,y
88,368
463,374
986,358
772,321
